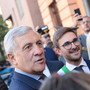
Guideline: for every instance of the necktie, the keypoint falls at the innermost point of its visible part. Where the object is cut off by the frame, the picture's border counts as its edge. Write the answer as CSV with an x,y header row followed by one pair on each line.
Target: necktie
x,y
79,68
43,76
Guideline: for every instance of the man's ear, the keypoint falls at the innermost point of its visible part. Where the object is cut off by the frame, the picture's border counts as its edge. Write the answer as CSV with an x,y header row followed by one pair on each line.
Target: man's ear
x,y
57,51
12,59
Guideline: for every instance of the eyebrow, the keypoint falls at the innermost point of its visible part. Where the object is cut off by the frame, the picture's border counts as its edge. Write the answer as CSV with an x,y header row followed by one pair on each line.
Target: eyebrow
x,y
26,45
30,44
38,41
72,40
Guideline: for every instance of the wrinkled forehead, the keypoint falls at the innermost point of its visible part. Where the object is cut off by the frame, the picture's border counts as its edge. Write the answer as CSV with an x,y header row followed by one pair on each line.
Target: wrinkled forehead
x,y
27,37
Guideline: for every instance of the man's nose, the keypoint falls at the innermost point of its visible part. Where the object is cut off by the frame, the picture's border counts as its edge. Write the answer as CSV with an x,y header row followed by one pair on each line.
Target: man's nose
x,y
73,45
38,50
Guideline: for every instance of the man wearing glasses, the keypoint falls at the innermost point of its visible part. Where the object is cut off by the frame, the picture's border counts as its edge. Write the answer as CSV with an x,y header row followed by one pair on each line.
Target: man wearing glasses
x,y
85,25
67,44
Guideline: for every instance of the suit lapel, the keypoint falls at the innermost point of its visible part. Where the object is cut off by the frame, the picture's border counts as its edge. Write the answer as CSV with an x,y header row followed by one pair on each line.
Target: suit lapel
x,y
27,80
88,63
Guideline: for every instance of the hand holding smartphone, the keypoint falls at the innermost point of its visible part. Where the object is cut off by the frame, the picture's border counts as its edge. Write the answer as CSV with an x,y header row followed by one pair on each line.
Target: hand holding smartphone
x,y
77,11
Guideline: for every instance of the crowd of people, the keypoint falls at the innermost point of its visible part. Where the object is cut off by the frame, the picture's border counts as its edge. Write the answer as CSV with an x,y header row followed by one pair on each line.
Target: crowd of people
x,y
35,57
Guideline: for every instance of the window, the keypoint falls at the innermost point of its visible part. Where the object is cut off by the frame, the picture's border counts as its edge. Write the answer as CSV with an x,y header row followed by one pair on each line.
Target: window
x,y
55,14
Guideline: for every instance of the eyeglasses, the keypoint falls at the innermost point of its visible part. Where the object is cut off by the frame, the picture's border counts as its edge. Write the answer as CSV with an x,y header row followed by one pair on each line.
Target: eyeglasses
x,y
88,21
68,45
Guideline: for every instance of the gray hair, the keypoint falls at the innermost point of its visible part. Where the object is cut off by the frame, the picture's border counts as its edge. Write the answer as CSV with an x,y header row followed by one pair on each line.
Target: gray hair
x,y
9,39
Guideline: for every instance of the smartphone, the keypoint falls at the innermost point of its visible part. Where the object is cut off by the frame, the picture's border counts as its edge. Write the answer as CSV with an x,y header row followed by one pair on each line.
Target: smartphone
x,y
79,13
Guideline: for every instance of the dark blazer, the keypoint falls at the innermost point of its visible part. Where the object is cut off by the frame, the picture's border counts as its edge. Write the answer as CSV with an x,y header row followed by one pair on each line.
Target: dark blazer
x,y
50,54
23,82
3,86
88,63
82,39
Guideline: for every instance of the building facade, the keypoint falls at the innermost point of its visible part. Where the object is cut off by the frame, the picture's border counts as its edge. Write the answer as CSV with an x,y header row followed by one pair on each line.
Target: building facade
x,y
60,12
43,12
21,12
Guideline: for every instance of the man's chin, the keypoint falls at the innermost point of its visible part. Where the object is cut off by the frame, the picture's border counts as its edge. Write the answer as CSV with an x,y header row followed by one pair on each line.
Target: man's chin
x,y
76,59
40,70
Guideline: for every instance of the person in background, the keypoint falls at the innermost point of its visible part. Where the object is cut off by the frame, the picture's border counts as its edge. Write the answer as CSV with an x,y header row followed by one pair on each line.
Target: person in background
x,y
25,51
70,81
67,44
88,44
50,55
85,25
45,39
44,33
49,44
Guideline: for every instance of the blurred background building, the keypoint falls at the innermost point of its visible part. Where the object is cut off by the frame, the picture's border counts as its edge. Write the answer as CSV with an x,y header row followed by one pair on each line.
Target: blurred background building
x,y
42,12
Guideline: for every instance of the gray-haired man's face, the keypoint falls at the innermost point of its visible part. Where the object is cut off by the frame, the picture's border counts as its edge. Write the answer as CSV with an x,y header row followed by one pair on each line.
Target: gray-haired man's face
x,y
29,55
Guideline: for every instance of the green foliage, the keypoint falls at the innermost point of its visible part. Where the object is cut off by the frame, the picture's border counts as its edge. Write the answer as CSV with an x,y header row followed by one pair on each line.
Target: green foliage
x,y
3,28
3,31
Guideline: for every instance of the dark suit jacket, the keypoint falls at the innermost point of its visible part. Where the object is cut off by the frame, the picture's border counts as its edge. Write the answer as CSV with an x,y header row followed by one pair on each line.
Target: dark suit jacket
x,y
82,39
88,63
23,82
3,86
50,54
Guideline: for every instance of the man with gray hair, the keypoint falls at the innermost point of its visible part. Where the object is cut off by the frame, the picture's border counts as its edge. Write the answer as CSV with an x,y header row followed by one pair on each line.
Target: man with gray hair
x,y
25,52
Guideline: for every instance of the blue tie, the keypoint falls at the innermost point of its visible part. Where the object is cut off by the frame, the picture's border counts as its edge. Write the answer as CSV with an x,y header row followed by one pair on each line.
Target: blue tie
x,y
79,68
43,76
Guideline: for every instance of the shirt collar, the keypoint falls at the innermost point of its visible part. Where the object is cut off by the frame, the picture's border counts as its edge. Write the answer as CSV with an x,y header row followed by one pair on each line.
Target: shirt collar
x,y
33,75
46,71
86,34
27,74
71,66
83,63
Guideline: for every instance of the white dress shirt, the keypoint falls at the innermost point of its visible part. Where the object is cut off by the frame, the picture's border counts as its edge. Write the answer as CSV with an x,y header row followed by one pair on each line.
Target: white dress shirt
x,y
85,67
46,72
71,68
